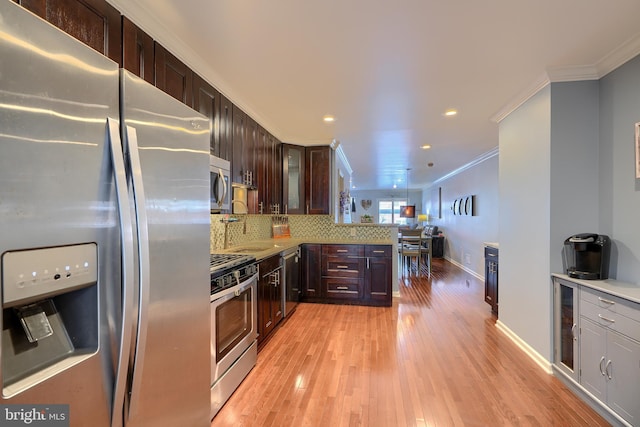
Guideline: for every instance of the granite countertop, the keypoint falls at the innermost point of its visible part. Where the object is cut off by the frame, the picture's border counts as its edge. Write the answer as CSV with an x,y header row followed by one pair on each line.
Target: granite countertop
x,y
625,290
263,249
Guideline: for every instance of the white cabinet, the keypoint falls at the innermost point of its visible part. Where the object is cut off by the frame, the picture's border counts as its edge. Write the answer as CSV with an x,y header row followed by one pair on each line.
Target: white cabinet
x,y
610,351
566,327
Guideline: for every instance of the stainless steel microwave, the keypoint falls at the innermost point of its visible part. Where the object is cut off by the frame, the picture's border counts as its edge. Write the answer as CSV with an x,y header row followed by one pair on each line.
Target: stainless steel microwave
x,y
220,171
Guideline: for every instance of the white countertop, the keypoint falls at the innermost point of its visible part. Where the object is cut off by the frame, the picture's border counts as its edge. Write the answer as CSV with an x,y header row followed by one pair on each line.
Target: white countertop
x,y
628,291
492,244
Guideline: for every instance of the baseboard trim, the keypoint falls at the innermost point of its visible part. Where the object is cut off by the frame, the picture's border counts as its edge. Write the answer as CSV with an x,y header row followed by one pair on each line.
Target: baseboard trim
x,y
529,351
467,269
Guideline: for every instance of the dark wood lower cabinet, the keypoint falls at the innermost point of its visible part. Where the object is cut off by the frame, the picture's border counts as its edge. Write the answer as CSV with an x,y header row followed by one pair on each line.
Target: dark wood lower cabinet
x,y
491,278
347,274
270,288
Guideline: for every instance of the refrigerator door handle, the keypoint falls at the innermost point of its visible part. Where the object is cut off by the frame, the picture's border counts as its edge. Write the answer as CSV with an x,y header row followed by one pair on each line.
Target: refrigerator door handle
x,y
131,144
127,254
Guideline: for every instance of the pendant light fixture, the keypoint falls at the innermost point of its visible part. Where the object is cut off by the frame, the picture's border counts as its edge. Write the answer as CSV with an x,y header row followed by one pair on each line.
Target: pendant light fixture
x,y
408,211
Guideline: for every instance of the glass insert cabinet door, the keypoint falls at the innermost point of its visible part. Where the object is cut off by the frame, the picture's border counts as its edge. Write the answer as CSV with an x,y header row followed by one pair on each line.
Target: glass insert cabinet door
x,y
566,327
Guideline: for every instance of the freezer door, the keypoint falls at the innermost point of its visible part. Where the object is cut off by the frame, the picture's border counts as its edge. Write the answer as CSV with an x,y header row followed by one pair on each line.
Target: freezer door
x,y
57,191
170,364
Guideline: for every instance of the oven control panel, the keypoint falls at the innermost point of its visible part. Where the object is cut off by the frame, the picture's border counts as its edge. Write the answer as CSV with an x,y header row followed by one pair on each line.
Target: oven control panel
x,y
233,277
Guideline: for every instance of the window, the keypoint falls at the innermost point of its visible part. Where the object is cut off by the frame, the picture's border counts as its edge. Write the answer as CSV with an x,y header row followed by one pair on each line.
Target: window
x,y
389,212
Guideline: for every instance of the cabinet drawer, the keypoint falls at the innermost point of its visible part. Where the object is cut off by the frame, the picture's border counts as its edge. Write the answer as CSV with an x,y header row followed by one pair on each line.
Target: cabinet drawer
x,y
610,303
618,316
335,266
343,288
343,250
377,250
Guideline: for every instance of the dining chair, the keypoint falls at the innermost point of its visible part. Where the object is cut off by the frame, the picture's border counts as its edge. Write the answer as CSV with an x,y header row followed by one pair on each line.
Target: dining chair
x,y
410,248
425,252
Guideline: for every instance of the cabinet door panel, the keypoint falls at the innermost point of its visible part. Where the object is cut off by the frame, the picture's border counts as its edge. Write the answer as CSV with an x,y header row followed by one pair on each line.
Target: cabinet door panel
x,y
206,100
312,271
173,76
592,358
225,129
378,279
623,393
293,179
318,172
94,22
137,51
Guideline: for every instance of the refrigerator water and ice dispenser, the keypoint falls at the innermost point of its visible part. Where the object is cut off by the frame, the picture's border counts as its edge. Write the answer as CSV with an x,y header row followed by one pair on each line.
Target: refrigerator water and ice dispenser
x,y
49,312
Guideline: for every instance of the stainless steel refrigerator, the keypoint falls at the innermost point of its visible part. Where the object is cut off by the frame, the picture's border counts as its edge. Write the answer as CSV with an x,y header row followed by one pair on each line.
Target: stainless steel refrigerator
x,y
104,237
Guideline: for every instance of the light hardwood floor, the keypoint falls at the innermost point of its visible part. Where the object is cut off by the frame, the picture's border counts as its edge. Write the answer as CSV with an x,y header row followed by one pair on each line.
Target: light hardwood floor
x,y
435,358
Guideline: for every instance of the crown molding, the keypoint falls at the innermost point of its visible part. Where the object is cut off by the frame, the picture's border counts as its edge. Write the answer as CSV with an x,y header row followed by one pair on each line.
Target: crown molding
x,y
185,53
481,158
614,59
521,98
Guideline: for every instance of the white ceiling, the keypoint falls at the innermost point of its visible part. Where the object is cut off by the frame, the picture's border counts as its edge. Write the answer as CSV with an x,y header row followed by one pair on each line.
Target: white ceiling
x,y
387,70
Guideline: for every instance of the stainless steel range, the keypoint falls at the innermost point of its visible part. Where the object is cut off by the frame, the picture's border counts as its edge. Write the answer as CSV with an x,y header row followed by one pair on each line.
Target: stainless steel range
x,y
234,323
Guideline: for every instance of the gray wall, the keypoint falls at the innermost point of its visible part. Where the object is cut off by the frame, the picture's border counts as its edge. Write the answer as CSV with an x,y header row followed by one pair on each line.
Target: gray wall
x,y
566,167
619,196
464,235
524,291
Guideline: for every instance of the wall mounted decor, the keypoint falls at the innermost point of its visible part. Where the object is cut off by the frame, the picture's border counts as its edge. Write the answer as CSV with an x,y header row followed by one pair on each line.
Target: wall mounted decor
x,y
464,206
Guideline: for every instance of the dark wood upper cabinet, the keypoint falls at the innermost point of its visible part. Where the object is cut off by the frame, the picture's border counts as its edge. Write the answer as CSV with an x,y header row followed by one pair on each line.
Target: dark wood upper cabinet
x,y
293,179
237,159
206,100
137,51
262,164
225,128
249,148
173,76
318,180
94,22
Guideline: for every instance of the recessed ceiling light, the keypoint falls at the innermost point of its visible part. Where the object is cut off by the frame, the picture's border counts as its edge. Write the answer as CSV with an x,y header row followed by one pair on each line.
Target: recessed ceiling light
x,y
450,112
328,118
426,146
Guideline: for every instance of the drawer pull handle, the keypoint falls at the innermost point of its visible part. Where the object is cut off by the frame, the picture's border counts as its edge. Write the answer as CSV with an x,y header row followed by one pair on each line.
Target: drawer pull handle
x,y
607,370
342,266
378,252
342,250
600,366
342,288
606,318
606,301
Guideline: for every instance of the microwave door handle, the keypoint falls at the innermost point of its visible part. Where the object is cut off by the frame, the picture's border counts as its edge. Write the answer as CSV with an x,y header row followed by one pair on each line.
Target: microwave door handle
x,y
144,271
224,188
126,271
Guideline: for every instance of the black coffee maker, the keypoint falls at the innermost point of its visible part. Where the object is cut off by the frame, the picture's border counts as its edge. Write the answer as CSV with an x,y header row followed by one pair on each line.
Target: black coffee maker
x,y
586,256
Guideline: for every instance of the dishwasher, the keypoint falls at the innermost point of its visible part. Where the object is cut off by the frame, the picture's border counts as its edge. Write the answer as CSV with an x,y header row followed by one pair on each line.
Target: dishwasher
x,y
291,292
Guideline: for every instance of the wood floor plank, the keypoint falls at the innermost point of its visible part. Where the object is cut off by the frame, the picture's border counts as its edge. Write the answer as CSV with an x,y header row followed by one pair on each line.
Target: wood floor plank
x,y
435,358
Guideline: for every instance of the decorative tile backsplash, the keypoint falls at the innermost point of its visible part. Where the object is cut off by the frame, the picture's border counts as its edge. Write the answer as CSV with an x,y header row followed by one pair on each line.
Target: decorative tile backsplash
x,y
248,228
